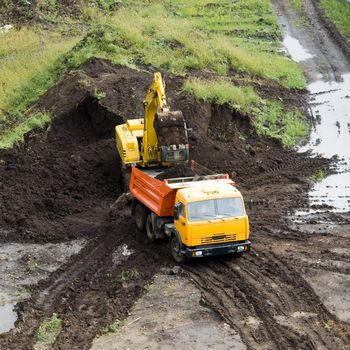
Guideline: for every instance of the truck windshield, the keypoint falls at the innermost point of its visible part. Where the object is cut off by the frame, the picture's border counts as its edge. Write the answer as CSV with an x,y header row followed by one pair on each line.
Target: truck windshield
x,y
215,209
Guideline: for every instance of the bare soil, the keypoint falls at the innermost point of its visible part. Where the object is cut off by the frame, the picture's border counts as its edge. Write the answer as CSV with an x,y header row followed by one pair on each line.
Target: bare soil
x,y
62,182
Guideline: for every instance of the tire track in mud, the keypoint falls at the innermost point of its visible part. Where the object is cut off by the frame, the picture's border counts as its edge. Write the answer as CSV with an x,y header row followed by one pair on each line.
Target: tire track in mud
x,y
269,303
89,291
285,166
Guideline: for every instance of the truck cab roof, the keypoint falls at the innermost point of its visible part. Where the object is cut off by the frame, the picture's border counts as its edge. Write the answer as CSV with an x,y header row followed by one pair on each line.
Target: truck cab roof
x,y
204,190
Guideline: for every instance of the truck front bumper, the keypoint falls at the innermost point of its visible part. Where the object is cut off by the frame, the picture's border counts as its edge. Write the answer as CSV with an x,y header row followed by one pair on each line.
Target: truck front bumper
x,y
217,249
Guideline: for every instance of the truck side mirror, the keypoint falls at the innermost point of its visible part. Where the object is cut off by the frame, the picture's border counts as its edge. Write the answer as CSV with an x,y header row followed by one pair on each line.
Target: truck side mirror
x,y
177,211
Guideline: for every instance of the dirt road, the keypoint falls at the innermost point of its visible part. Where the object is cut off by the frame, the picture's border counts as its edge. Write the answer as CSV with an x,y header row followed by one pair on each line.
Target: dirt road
x,y
62,183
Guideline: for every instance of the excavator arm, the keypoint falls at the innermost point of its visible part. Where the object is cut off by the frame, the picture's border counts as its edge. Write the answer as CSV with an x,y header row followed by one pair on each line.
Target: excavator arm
x,y
165,135
160,138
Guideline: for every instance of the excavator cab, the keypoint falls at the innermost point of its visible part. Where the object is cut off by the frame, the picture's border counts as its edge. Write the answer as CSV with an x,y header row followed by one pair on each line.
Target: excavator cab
x,y
158,139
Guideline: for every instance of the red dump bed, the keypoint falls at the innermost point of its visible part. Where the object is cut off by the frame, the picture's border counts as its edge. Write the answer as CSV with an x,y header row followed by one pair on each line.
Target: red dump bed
x,y
159,196
153,193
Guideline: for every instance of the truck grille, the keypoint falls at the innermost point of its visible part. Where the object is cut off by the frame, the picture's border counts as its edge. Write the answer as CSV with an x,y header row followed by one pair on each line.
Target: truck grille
x,y
218,239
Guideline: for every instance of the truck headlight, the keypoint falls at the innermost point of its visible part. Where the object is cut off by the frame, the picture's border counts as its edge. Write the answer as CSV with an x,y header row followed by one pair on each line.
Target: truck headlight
x,y
240,248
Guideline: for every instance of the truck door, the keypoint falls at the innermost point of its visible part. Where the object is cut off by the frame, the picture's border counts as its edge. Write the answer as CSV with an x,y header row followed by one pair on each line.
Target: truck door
x,y
181,224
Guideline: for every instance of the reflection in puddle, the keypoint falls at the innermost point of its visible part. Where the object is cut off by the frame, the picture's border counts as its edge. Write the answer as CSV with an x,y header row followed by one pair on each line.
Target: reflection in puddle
x,y
330,137
330,134
8,317
297,52
331,105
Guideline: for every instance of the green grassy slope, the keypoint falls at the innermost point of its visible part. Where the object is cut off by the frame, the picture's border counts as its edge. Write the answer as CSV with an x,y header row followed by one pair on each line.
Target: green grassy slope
x,y
237,39
338,11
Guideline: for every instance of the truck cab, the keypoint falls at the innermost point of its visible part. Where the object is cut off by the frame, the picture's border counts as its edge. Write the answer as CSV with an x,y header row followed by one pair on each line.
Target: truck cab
x,y
209,219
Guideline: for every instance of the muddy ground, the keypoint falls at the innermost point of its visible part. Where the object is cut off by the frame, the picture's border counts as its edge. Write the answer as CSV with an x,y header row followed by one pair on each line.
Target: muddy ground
x,y
61,185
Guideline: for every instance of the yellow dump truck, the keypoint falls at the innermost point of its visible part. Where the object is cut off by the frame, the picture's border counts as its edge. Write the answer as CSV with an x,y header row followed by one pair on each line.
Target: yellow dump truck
x,y
201,215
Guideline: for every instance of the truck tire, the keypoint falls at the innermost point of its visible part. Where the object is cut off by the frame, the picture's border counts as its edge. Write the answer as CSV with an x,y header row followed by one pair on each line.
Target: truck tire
x,y
175,248
140,214
149,228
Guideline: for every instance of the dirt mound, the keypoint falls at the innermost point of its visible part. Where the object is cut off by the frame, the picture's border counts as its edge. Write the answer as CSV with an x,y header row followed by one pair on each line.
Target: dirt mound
x,y
181,170
61,181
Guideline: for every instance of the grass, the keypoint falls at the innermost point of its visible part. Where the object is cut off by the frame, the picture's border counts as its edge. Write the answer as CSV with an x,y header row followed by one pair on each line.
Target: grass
x,y
31,61
268,117
15,135
25,55
128,275
113,327
338,11
297,4
242,99
239,38
49,330
32,266
318,176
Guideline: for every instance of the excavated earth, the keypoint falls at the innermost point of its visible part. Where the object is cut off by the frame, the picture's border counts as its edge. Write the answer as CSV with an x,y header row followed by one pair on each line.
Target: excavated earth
x,y
61,184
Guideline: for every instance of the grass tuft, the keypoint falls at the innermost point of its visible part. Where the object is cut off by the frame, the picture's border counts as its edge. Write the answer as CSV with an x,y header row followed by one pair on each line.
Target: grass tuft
x,y
318,176
49,330
222,91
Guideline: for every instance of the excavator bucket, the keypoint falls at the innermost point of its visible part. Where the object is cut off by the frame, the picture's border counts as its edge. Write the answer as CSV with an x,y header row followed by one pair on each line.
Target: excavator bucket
x,y
172,136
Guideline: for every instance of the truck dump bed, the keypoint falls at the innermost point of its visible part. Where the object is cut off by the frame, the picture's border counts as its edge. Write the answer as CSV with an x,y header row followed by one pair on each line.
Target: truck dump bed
x,y
159,195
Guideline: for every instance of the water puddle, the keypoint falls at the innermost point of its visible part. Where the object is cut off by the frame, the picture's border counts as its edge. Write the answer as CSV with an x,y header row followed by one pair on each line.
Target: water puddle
x,y
295,49
8,317
330,136
23,265
330,133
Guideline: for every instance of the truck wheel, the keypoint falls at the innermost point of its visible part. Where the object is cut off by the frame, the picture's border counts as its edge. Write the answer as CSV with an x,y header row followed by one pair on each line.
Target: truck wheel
x,y
149,229
140,214
175,248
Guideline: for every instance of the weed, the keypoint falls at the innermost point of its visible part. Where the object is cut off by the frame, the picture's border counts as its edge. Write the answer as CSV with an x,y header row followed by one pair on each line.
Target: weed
x,y
147,286
85,82
303,21
21,292
318,176
297,4
127,275
114,327
32,266
99,95
49,330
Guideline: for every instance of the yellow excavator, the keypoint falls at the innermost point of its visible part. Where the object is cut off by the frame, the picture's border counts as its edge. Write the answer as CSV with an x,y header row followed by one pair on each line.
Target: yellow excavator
x,y
158,139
